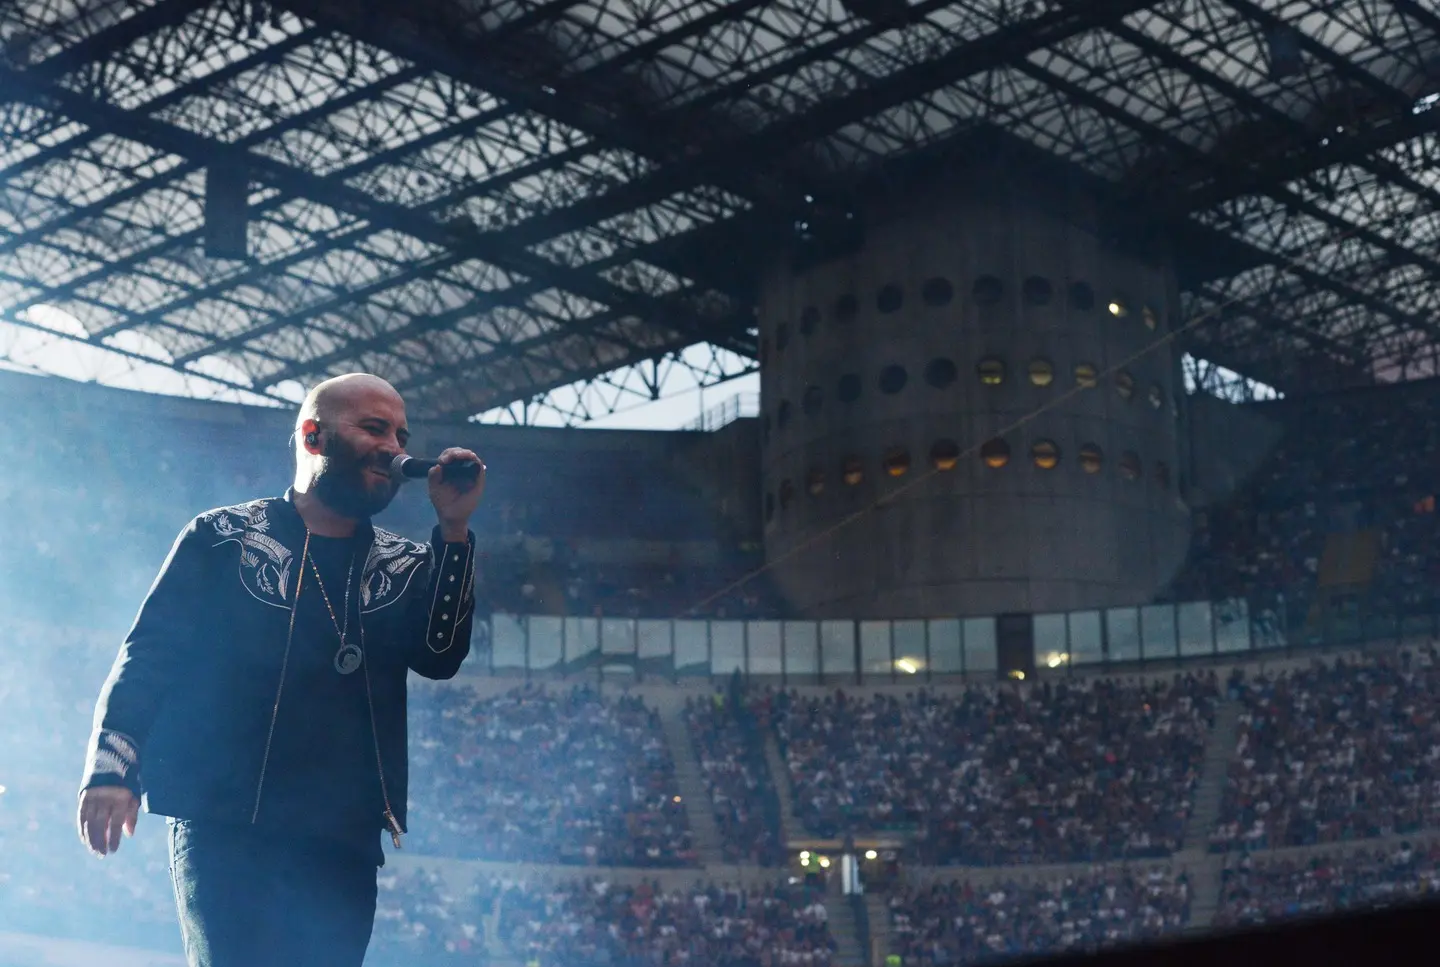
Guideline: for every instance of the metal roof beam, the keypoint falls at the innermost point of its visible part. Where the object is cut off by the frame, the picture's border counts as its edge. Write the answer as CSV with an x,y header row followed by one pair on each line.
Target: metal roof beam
x,y
477,244
1157,135
752,150
1261,110
117,36
736,164
1402,103
229,71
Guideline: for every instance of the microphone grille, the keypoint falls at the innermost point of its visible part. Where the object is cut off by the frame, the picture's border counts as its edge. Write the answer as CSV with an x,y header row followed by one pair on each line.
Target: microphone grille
x,y
397,466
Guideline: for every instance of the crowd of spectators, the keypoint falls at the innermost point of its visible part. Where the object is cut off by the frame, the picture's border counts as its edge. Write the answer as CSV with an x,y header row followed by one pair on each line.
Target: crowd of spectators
x,y
49,883
727,732
1263,891
563,776
958,923
1343,463
589,922
1071,772
421,920
1339,750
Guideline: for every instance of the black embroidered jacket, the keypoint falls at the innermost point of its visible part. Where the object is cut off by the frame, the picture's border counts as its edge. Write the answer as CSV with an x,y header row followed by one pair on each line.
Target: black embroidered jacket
x,y
229,700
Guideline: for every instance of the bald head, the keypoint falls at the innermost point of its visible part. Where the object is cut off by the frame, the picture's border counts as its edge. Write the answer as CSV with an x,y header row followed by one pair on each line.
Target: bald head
x,y
342,397
348,431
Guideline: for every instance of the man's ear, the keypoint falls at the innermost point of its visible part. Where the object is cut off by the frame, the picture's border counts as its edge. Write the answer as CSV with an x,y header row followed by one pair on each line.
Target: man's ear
x,y
310,433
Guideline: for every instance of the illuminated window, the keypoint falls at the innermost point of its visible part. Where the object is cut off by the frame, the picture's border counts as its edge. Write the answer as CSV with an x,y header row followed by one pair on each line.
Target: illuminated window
x,y
1082,297
782,336
937,292
1042,373
995,453
787,494
782,415
941,372
889,299
1086,375
847,388
846,308
1091,458
1045,454
809,321
896,461
893,379
1130,465
991,370
769,507
1118,307
945,454
1156,396
1037,291
1124,385
988,290
811,401
815,481
852,471
1162,474
1152,321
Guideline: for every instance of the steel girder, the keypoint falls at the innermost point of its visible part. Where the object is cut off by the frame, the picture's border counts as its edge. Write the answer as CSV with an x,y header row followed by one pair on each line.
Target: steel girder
x,y
487,204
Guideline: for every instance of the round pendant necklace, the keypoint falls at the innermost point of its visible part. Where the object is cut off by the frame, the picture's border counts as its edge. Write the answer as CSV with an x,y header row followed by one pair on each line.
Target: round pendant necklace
x,y
349,657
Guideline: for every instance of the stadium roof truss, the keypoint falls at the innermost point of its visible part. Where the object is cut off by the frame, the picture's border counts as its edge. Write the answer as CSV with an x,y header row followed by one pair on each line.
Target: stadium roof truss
x,y
490,201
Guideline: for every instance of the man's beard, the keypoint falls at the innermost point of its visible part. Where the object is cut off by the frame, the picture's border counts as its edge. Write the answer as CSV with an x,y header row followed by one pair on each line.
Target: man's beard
x,y
341,482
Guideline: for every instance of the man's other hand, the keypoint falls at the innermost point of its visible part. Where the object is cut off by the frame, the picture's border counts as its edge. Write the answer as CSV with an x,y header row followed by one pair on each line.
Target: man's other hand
x,y
104,811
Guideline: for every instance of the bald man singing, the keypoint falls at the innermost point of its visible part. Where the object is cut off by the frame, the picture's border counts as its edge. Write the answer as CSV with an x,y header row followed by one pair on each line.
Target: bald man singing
x,y
258,701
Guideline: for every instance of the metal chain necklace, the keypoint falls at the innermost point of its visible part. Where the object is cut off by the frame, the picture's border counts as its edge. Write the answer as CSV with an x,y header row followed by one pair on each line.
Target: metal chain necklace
x,y
349,657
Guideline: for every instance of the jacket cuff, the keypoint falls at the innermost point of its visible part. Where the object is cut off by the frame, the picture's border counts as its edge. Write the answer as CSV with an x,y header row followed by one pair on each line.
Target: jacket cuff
x,y
113,759
454,590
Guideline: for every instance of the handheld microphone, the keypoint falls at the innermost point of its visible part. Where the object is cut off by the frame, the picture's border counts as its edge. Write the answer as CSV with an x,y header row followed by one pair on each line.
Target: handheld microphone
x,y
405,467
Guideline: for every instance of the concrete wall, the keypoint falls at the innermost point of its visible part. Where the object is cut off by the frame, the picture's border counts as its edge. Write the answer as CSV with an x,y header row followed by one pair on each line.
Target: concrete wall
x,y
973,540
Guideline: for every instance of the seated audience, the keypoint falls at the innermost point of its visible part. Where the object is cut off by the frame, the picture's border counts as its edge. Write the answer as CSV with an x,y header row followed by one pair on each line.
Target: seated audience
x,y
1078,771
957,923
545,777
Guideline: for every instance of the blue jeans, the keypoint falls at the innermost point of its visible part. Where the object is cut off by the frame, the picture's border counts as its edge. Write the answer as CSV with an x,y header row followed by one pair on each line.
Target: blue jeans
x,y
248,900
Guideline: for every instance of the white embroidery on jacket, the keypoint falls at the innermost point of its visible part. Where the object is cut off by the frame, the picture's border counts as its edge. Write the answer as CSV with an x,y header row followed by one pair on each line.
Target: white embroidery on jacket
x,y
389,568
108,763
266,565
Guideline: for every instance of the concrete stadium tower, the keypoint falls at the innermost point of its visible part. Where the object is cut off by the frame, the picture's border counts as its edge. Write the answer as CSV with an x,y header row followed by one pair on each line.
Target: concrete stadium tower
x,y
961,317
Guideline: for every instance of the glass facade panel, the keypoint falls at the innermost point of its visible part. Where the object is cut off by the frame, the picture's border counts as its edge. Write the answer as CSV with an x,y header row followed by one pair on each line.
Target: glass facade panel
x,y
1087,641
582,641
507,643
1232,625
802,649
875,660
945,658
1051,648
978,644
1196,631
617,636
1122,632
1157,632
910,658
727,647
1267,627
692,648
765,648
837,648
545,637
652,640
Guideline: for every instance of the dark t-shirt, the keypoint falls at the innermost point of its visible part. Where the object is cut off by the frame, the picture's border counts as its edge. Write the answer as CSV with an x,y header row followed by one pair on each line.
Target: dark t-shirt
x,y
324,715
